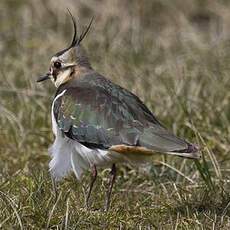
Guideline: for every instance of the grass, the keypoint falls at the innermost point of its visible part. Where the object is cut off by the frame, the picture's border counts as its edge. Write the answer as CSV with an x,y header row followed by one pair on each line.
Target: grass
x,y
175,56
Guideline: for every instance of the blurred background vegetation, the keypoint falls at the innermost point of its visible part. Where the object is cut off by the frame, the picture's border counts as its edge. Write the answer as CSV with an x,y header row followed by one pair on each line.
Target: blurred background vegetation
x,y
175,56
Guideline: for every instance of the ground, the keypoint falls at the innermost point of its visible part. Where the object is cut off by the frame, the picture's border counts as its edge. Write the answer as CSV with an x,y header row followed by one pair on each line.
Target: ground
x,y
175,56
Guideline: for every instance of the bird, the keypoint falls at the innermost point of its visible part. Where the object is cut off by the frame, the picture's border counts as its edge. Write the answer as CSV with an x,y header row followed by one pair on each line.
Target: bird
x,y
97,123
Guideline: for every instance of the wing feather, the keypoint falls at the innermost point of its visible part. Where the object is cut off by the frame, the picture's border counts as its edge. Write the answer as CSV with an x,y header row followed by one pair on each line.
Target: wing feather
x,y
101,114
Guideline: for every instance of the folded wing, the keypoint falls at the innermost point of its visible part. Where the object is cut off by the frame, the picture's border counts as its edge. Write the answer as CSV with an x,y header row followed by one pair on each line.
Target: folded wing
x,y
100,114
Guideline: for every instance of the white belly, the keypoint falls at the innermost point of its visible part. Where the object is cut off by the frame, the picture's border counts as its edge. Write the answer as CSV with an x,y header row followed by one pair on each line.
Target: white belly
x,y
69,155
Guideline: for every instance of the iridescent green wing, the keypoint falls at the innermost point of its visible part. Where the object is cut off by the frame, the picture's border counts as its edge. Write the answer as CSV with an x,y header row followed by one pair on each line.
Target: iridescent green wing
x,y
95,118
98,113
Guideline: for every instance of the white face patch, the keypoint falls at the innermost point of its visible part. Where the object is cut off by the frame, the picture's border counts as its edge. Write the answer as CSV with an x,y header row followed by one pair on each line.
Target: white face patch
x,y
63,74
63,58
53,59
62,77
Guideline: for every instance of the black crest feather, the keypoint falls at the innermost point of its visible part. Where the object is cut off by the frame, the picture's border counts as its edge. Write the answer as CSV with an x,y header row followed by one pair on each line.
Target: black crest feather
x,y
76,40
83,34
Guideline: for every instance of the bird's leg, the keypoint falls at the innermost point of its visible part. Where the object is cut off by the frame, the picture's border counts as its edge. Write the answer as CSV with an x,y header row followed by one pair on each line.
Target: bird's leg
x,y
93,179
111,182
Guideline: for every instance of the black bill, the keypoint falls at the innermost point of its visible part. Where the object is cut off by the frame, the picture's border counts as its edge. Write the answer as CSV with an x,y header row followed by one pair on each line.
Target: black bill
x,y
43,78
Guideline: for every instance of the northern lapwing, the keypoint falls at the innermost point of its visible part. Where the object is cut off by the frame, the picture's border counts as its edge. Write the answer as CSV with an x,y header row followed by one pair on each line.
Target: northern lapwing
x,y
98,123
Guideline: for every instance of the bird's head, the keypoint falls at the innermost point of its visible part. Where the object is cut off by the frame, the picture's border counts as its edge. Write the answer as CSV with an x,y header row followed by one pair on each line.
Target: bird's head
x,y
66,62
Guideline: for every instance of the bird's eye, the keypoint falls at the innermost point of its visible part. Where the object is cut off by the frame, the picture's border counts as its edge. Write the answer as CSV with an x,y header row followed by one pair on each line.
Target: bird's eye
x,y
57,64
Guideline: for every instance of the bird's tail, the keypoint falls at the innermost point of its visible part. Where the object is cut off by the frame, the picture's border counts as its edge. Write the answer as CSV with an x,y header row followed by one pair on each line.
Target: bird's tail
x,y
161,140
158,139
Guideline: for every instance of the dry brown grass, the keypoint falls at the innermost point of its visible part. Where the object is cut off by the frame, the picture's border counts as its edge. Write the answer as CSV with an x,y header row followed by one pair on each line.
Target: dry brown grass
x,y
172,54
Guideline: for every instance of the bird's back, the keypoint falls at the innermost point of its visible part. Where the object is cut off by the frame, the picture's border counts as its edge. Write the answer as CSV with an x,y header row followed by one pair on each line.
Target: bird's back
x,y
100,114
